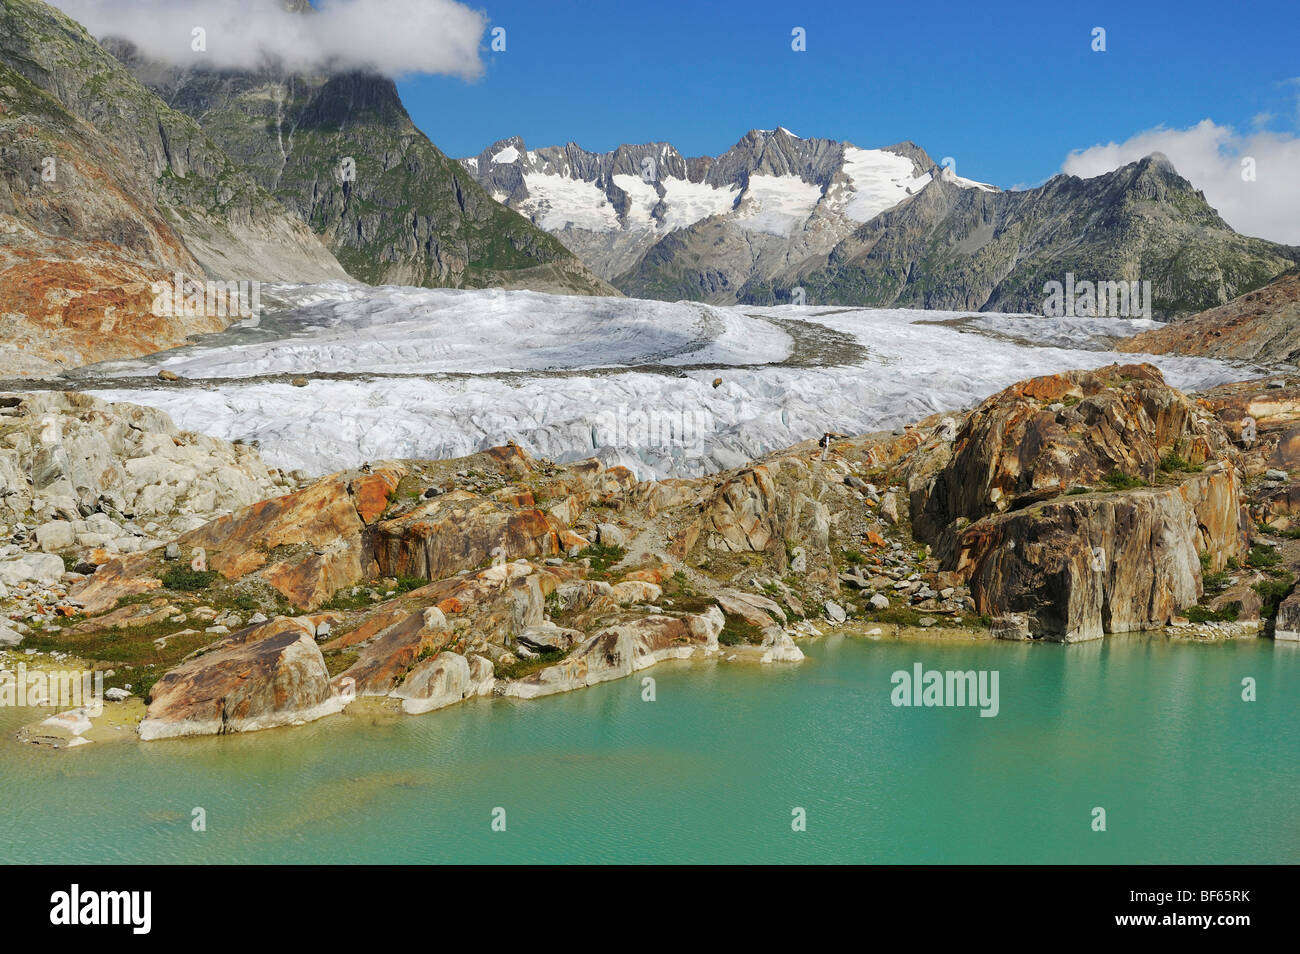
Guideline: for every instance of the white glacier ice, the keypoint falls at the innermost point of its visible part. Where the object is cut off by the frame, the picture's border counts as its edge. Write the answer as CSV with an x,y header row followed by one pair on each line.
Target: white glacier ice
x,y
411,372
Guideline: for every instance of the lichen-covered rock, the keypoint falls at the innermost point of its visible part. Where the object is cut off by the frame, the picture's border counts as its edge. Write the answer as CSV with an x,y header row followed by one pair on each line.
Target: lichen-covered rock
x,y
307,544
623,649
462,530
386,659
444,680
1077,567
760,508
261,677
1041,437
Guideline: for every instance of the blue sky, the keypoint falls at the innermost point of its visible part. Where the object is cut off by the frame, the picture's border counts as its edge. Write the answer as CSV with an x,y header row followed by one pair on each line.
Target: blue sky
x,y
1007,89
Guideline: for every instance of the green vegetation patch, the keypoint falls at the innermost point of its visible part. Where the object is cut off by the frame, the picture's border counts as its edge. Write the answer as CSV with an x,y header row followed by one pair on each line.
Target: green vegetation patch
x,y
1118,480
602,557
737,631
187,580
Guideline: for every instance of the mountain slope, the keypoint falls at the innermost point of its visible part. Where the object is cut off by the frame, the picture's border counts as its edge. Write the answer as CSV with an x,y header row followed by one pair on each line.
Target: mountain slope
x,y
78,251
949,247
1262,325
233,228
405,215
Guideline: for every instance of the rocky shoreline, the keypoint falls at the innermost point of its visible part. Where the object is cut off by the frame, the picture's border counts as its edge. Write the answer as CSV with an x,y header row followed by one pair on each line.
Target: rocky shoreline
x,y
1062,509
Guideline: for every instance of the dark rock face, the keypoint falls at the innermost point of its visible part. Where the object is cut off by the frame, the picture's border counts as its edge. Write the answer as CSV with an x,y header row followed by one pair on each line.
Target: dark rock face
x,y
400,212
228,223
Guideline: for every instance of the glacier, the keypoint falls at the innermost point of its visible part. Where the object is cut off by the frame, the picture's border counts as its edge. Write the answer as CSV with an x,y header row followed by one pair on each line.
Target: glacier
x,y
414,372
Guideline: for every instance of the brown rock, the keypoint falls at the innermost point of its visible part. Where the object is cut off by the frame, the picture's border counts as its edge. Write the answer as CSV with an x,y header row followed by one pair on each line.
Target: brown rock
x,y
460,530
386,659
621,650
128,576
261,677
1078,567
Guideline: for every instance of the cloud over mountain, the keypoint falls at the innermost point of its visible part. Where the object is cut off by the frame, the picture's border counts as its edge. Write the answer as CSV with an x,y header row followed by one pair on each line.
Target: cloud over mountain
x,y
393,37
1211,157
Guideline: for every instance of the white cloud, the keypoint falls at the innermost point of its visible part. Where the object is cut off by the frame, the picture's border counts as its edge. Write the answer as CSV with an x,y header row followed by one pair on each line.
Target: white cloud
x,y
1210,157
393,37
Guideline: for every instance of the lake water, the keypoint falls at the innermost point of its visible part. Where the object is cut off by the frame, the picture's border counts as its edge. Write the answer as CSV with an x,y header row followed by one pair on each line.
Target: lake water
x,y
1153,731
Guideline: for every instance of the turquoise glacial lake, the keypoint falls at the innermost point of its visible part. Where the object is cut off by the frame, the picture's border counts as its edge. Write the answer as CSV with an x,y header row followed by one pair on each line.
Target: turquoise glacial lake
x,y
1155,732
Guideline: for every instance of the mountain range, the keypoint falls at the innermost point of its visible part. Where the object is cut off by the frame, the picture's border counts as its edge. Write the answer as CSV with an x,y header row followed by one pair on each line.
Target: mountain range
x,y
884,227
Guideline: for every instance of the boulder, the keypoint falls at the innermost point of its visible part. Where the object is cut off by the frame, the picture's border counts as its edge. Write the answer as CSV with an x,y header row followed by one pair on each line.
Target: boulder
x,y
1286,627
56,535
44,568
1080,566
444,680
1014,450
752,608
889,508
548,636
128,576
636,591
460,530
261,677
778,646
9,637
384,662
620,650
1014,627
307,544
610,535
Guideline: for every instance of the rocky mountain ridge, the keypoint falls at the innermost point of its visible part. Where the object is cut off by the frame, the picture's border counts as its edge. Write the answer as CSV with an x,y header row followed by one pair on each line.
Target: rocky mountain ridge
x,y
777,196
883,228
1261,326
341,152
960,248
104,190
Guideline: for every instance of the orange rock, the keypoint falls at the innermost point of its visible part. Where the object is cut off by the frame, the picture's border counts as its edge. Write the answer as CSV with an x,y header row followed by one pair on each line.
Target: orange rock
x,y
371,494
875,539
366,631
654,574
329,516
112,581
